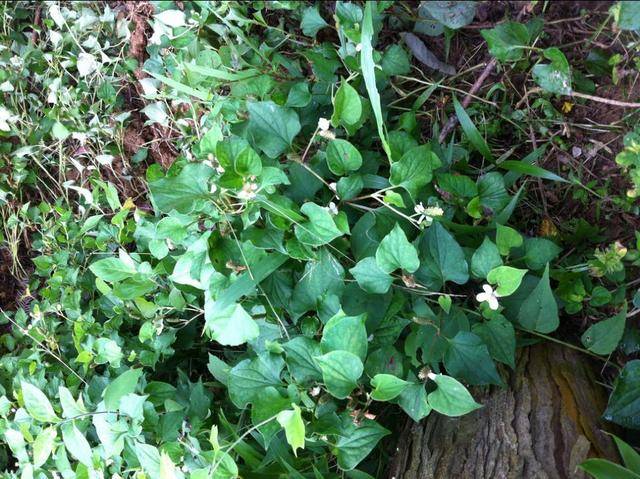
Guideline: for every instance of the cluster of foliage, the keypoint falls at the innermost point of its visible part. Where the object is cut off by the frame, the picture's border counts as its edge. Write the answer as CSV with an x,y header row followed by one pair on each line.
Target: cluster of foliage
x,y
312,253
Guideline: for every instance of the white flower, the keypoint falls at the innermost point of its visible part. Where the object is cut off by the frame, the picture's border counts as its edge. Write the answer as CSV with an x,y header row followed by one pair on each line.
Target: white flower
x,y
359,47
426,215
489,295
248,191
328,134
324,124
333,209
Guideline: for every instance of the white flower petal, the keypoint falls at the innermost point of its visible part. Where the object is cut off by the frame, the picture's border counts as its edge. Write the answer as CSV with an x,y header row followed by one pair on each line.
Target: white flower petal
x,y
493,302
487,289
481,297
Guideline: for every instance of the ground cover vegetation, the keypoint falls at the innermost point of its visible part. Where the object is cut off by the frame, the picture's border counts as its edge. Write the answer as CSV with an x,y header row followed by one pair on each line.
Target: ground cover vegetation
x,y
247,239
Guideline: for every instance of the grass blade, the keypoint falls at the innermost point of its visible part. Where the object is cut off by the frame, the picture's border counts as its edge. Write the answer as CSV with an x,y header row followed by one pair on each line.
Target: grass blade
x,y
368,72
531,170
182,88
222,74
471,131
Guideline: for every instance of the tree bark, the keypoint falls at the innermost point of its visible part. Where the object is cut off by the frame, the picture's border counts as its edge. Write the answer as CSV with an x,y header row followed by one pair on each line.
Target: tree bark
x,y
545,423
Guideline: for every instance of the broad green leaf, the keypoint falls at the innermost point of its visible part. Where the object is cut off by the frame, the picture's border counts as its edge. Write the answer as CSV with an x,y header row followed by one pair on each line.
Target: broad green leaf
x,y
367,66
493,193
108,351
59,131
271,127
451,398
395,252
266,405
387,387
604,469
458,185
194,266
539,312
312,22
70,407
453,14
76,444
250,376
186,192
554,77
485,258
121,386
467,358
291,421
340,372
299,95
506,40
603,337
167,467
343,157
37,404
370,277
348,187
112,269
246,283
624,403
15,440
507,278
415,169
630,457
500,337
300,353
231,326
347,107
472,132
413,401
442,255
395,61
355,442
149,458
321,227
346,333
43,445
539,252
507,238
531,170
628,15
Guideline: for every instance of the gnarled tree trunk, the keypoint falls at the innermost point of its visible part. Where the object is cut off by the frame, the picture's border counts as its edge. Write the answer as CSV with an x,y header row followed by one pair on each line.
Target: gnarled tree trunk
x,y
545,423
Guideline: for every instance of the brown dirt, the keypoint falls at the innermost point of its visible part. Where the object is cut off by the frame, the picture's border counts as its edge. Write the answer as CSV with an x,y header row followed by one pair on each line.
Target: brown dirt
x,y
139,13
10,286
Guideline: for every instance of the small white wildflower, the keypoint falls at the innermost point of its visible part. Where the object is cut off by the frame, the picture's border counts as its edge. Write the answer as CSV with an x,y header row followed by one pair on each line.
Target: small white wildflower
x,y
333,209
248,191
315,391
359,47
489,296
426,215
329,135
324,124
